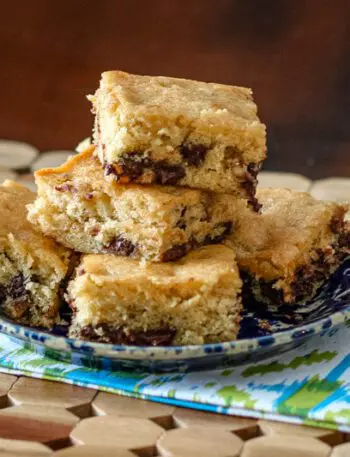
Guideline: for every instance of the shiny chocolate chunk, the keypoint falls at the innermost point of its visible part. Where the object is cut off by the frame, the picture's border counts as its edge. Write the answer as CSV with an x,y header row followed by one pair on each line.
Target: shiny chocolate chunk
x,y
16,287
175,253
121,246
168,174
118,335
193,154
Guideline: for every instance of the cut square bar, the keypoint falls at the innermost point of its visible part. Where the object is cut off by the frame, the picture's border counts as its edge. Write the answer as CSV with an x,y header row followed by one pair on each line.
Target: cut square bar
x,y
293,247
192,301
33,267
78,207
178,132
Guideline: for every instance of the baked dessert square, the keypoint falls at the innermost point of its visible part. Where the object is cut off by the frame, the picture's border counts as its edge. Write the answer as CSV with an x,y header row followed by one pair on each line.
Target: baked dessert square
x,y
192,301
178,132
290,249
78,207
32,267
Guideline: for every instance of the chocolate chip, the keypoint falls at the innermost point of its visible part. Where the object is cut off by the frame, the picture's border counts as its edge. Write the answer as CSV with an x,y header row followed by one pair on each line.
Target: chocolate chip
x,y
226,230
121,246
160,337
253,169
66,312
249,185
133,169
181,223
176,252
109,170
66,188
109,334
73,263
180,250
183,211
89,196
254,203
273,294
16,287
193,154
168,174
2,293
133,164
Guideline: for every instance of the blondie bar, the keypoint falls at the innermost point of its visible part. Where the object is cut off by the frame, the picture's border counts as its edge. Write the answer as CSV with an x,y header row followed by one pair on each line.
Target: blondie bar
x,y
32,266
178,132
289,250
192,301
78,207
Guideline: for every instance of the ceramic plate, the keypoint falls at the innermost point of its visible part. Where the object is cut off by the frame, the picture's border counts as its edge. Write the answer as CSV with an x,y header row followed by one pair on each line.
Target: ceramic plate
x,y
262,334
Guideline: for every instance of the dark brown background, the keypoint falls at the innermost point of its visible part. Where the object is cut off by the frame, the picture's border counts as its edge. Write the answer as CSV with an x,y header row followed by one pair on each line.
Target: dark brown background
x,y
295,54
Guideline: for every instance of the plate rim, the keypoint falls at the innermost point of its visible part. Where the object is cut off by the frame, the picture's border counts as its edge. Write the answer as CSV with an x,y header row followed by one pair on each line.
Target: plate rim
x,y
97,349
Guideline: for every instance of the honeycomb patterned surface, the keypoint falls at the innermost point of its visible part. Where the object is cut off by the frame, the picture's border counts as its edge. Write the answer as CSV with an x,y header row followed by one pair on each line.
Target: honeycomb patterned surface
x,y
40,418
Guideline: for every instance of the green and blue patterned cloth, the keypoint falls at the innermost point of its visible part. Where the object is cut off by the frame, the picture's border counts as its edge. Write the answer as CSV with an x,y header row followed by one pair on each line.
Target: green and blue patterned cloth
x,y
308,385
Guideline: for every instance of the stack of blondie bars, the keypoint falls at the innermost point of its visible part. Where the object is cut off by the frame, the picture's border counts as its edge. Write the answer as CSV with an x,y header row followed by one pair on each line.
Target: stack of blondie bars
x,y
163,212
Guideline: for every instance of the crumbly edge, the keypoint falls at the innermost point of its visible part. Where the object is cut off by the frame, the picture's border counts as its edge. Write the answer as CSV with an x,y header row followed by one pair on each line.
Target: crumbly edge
x,y
27,295
307,278
99,225
115,334
211,315
212,330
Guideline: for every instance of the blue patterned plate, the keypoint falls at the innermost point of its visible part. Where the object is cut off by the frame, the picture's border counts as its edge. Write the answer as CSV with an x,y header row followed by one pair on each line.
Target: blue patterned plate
x,y
262,334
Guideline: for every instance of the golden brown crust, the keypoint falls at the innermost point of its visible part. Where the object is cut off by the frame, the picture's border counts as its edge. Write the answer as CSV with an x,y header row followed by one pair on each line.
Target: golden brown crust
x,y
163,94
67,166
208,134
80,208
291,233
197,297
201,268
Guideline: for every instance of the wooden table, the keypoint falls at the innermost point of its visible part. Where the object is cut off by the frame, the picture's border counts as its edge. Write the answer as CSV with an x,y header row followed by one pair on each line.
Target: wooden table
x,y
41,418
